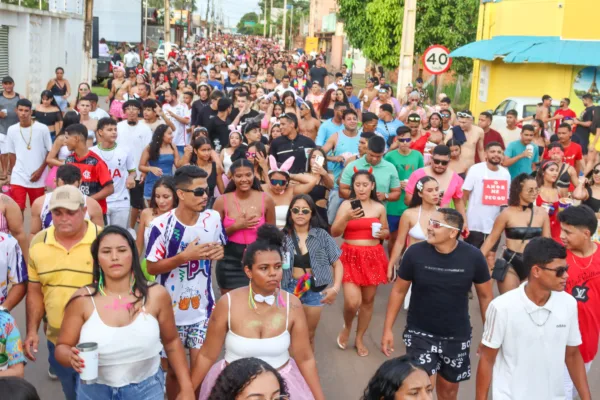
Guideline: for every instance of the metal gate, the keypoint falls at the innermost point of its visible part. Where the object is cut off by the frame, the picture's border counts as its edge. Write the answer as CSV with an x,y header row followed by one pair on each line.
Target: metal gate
x,y
3,51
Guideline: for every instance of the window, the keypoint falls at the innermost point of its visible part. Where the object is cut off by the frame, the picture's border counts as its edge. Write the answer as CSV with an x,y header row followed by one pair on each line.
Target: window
x,y
501,109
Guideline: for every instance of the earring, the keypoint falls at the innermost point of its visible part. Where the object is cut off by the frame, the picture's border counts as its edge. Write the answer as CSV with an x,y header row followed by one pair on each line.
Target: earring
x,y
131,283
251,302
101,283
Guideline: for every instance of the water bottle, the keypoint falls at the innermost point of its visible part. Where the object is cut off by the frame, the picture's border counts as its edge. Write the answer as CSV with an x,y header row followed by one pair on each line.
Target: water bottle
x,y
217,145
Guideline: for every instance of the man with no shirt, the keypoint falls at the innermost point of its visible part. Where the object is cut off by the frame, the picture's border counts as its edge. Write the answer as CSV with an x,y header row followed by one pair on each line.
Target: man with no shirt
x,y
472,140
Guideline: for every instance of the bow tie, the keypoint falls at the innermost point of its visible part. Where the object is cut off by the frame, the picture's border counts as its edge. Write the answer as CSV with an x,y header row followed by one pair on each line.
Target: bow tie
x,y
259,298
530,205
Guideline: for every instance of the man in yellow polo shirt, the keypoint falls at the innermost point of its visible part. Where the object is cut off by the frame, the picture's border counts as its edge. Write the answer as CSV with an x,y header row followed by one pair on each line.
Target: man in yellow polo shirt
x,y
60,262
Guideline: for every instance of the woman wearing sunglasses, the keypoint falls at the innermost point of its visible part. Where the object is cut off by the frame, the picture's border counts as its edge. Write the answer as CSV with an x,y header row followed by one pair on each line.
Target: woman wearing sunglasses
x,y
311,253
548,195
243,209
262,321
567,175
362,221
280,190
588,190
432,137
520,222
414,222
257,155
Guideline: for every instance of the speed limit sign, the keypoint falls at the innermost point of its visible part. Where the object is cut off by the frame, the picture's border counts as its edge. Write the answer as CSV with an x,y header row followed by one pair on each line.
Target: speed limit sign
x,y
436,59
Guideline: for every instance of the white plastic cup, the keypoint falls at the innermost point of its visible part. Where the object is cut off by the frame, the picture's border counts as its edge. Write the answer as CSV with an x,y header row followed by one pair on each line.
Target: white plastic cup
x,y
530,148
88,352
375,228
5,111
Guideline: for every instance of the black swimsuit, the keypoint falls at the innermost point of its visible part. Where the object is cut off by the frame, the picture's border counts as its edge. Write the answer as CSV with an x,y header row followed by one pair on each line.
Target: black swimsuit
x,y
47,118
57,90
564,179
592,202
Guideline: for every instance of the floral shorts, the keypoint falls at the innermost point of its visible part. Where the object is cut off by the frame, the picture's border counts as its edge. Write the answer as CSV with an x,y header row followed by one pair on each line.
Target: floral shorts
x,y
192,336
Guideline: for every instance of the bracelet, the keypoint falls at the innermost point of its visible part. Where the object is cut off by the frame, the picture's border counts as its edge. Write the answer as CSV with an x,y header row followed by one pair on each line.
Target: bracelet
x,y
335,290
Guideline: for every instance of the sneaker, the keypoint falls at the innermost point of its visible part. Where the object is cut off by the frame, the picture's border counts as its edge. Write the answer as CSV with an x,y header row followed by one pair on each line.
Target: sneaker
x,y
51,374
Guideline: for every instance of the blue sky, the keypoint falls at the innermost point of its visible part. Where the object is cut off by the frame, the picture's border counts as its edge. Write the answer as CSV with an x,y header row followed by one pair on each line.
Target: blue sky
x,y
233,10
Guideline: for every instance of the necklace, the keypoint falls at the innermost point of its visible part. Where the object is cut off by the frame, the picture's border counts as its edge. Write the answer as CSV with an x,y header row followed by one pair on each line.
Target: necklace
x,y
581,266
30,136
104,151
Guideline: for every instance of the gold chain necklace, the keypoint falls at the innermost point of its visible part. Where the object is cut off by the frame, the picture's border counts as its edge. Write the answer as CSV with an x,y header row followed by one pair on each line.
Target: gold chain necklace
x,y
30,136
579,265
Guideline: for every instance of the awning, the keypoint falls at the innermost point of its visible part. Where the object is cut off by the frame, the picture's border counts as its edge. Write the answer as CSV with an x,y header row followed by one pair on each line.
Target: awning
x,y
533,49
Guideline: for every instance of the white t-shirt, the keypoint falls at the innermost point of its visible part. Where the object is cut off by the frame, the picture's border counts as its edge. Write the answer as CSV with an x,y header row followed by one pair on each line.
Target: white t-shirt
x,y
99,114
281,90
181,110
135,138
189,284
28,160
532,343
120,163
509,135
12,265
481,217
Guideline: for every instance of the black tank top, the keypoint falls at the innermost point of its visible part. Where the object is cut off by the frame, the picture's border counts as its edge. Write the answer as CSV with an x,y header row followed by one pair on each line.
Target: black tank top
x,y
592,202
57,90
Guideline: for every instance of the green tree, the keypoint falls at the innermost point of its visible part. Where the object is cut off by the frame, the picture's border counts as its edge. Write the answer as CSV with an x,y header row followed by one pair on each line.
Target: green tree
x,y
248,17
375,27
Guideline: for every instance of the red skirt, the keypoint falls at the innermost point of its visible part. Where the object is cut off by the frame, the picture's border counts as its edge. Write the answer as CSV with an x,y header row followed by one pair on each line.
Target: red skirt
x,y
364,265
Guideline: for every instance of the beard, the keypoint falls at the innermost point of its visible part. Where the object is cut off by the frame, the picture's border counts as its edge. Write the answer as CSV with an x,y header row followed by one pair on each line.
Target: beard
x,y
495,163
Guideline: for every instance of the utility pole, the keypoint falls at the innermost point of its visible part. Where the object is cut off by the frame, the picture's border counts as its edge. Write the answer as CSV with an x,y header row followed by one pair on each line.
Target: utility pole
x,y
167,28
284,22
145,25
86,72
206,19
292,28
265,19
212,19
407,47
270,19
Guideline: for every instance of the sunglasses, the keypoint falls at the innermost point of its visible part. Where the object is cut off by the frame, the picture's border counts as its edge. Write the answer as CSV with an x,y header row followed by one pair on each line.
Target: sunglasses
x,y
297,210
413,100
441,162
596,171
404,140
463,115
414,119
437,224
198,192
250,154
560,271
445,115
279,182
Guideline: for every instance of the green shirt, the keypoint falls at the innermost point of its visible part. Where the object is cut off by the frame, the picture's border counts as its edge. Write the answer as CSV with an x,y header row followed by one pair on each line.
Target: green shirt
x,y
405,165
386,176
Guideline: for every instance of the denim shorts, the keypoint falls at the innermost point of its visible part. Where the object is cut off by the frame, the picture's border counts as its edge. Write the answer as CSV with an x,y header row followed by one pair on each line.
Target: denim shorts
x,y
310,298
151,388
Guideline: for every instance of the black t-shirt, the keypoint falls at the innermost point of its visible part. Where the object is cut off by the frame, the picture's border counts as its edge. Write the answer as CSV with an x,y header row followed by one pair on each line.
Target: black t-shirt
x,y
218,133
586,116
439,302
283,148
244,118
229,87
197,108
205,116
318,74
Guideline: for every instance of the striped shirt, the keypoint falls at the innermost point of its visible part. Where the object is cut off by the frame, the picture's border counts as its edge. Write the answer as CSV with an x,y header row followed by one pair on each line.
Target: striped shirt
x,y
323,251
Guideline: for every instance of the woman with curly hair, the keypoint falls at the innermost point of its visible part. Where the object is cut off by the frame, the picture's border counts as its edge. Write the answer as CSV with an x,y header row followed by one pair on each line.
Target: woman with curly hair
x,y
249,377
399,379
523,193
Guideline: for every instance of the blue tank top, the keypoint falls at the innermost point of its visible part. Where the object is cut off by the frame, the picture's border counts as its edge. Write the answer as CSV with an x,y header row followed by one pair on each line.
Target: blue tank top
x,y
165,162
345,144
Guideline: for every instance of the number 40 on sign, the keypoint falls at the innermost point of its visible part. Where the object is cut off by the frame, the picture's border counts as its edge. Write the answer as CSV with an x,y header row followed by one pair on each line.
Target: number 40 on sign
x,y
436,59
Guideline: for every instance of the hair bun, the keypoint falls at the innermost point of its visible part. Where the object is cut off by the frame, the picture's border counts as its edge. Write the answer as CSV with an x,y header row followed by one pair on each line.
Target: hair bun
x,y
271,234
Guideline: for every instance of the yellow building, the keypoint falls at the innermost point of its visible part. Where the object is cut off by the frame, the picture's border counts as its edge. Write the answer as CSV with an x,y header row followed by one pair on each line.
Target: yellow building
x,y
534,47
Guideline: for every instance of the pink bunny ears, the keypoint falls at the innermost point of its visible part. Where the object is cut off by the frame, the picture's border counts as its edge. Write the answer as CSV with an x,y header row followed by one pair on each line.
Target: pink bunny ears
x,y
285,167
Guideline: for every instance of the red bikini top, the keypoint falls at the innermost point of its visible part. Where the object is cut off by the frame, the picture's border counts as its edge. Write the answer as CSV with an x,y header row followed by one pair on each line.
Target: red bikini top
x,y
359,229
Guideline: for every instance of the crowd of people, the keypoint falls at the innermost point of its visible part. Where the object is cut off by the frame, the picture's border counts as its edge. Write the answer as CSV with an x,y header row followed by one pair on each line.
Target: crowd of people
x,y
236,156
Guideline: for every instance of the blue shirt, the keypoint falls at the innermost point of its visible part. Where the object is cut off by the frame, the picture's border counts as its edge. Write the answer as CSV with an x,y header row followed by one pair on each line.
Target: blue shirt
x,y
215,84
9,333
355,102
524,165
388,129
327,129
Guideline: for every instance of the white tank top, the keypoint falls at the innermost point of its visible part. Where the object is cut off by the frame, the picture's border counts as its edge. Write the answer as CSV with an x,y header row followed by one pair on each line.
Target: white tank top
x,y
46,215
226,162
274,351
127,354
63,153
281,215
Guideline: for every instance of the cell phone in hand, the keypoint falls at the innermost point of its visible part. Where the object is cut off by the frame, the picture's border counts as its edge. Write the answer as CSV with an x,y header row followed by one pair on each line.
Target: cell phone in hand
x,y
357,205
320,160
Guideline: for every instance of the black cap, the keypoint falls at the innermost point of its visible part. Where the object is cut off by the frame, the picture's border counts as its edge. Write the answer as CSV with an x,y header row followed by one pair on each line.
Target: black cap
x,y
419,80
387,107
7,79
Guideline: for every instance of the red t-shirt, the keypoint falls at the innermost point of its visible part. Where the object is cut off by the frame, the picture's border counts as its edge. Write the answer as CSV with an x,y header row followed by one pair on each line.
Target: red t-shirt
x,y
584,284
94,174
564,113
572,154
489,137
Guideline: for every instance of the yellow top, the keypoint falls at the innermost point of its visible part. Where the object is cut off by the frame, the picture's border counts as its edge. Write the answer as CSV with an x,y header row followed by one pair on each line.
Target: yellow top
x,y
60,272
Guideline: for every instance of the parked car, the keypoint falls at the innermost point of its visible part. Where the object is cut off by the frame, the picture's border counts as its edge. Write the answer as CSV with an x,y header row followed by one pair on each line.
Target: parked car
x,y
160,52
525,107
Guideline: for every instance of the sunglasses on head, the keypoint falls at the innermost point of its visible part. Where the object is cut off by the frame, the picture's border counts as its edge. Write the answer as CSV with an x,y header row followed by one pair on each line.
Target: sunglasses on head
x,y
298,210
560,271
414,119
437,224
404,140
198,192
463,115
279,182
441,162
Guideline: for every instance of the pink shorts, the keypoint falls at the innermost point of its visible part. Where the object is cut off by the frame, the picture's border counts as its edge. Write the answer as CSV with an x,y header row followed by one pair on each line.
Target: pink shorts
x,y
116,109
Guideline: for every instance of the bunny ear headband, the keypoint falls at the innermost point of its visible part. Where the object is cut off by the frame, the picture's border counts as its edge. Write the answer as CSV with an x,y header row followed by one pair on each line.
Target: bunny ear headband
x,y
285,167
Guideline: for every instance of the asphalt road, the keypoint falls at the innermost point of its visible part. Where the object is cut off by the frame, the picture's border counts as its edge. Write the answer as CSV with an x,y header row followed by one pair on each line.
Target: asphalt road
x,y
344,375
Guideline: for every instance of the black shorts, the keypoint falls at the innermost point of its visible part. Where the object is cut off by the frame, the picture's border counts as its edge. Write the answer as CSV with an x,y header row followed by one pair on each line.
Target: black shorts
x,y
516,262
450,357
137,196
584,141
477,238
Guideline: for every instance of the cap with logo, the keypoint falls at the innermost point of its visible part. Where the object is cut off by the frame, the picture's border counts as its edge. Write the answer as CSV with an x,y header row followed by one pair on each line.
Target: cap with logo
x,y
68,197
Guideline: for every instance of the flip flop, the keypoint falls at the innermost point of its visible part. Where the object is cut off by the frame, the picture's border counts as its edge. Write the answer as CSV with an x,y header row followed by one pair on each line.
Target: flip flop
x,y
343,347
362,353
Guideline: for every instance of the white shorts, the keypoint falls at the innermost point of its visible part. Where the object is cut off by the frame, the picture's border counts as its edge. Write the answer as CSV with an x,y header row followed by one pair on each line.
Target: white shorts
x,y
570,391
